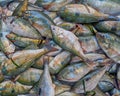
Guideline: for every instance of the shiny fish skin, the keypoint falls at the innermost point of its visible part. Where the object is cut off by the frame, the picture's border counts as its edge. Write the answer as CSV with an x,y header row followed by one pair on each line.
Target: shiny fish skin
x,y
108,26
60,88
59,62
52,5
90,81
39,64
110,45
74,72
21,8
45,84
41,22
89,44
67,40
67,93
5,45
22,41
105,6
79,13
30,76
21,27
20,61
9,88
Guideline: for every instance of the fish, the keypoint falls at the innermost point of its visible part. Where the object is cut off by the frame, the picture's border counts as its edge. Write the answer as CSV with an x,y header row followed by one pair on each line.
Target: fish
x,y
10,88
39,64
5,45
89,44
108,27
106,6
52,5
67,93
109,43
41,22
23,41
59,62
30,76
21,8
67,40
60,88
90,81
45,83
79,13
21,61
74,72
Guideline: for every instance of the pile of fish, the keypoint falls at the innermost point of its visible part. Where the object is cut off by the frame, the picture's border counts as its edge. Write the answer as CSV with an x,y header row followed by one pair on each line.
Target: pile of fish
x,y
59,47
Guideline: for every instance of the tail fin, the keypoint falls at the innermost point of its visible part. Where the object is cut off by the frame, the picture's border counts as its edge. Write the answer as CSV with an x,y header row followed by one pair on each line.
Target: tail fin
x,y
49,47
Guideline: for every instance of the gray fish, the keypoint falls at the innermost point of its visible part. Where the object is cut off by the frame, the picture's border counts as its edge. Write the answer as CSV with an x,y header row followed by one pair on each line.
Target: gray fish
x,y
90,80
45,84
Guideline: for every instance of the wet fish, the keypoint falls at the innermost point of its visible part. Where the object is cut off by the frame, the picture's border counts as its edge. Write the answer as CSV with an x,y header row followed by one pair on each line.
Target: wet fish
x,y
10,88
21,27
59,62
67,93
106,6
89,44
41,22
21,8
30,76
67,40
90,81
23,41
45,84
108,26
60,88
21,60
40,63
110,45
79,13
52,5
74,72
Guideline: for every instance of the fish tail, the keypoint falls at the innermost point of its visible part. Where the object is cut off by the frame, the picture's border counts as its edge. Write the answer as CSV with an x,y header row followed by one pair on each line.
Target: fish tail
x,y
49,47
113,18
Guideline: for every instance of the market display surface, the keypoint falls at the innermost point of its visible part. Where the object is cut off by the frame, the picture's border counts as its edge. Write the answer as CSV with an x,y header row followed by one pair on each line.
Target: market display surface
x,y
59,47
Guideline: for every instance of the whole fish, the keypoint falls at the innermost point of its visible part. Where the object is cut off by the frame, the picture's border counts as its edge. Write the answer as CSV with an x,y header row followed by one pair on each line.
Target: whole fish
x,y
108,26
21,60
52,5
67,40
21,27
59,62
23,41
90,81
45,84
110,45
106,6
30,76
9,88
79,13
74,72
